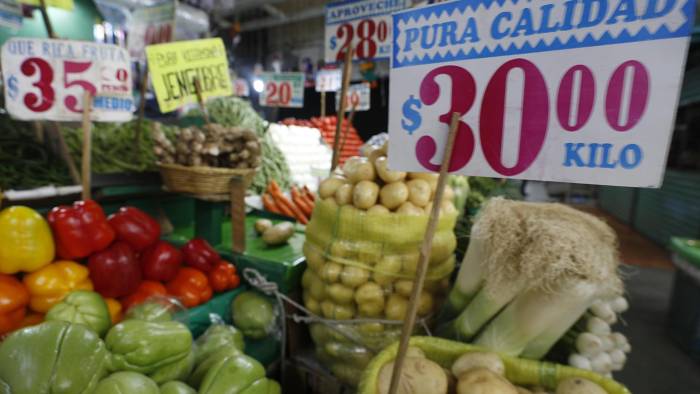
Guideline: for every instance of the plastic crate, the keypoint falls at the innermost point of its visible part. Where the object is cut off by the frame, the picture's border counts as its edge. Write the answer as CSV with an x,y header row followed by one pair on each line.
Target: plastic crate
x,y
684,312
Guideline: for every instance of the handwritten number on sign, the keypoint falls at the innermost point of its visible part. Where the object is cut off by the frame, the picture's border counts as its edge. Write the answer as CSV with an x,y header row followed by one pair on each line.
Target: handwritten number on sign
x,y
76,68
31,66
461,100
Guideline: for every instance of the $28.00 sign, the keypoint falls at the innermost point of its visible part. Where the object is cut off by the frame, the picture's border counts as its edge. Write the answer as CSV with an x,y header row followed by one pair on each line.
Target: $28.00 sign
x,y
282,90
364,25
560,91
47,79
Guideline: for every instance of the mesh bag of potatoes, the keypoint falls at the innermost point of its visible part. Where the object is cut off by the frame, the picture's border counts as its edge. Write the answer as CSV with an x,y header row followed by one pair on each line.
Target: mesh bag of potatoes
x,y
362,250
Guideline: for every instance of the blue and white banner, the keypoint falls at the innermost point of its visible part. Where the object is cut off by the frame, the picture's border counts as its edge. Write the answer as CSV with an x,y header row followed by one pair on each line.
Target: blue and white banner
x,y
573,91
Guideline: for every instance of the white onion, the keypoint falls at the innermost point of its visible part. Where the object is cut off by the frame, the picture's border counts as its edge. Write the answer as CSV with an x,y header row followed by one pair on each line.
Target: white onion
x,y
619,304
596,325
579,361
589,344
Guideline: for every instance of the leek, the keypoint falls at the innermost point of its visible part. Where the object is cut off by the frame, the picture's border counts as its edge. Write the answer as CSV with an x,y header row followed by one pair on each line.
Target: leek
x,y
579,361
619,304
589,345
468,282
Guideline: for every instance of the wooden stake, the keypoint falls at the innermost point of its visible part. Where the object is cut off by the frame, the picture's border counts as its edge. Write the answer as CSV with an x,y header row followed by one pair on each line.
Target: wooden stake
x,y
87,146
238,214
347,71
424,256
200,99
65,153
323,104
47,21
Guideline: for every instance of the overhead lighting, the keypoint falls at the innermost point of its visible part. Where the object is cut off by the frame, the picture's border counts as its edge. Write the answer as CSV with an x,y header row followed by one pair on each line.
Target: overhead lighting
x,y
258,85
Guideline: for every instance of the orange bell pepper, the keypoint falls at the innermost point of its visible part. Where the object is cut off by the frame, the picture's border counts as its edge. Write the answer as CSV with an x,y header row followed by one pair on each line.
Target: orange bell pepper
x,y
13,303
49,285
191,286
31,319
115,310
146,289
223,277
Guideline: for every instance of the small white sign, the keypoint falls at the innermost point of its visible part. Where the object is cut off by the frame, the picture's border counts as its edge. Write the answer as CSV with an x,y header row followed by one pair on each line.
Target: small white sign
x,y
570,91
241,88
282,90
46,79
357,96
328,80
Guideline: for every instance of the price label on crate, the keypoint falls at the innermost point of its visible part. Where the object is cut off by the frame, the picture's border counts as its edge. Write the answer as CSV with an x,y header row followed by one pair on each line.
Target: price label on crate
x,y
328,80
282,90
357,96
364,25
46,79
150,25
175,67
558,91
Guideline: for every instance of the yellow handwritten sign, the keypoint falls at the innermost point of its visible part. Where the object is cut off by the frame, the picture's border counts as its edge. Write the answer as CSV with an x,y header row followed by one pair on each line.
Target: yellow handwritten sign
x,y
174,68
65,4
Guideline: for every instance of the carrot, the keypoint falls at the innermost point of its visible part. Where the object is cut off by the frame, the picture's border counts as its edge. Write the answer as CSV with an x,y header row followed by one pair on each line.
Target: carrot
x,y
283,208
273,187
309,195
269,204
284,203
298,199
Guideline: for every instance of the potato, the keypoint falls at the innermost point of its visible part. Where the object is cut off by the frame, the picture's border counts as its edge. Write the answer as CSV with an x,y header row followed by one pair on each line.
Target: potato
x,y
386,270
393,195
396,307
354,276
331,202
385,173
369,255
579,386
404,287
341,249
523,390
358,169
328,186
371,309
472,360
448,194
262,224
425,303
368,293
372,153
331,310
378,210
484,381
306,278
314,257
317,289
278,234
370,329
343,196
418,376
313,305
331,272
413,351
418,192
340,294
447,208
408,208
365,194
428,176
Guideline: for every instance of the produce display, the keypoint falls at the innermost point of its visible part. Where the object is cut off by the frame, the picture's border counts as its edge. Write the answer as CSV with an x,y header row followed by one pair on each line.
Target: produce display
x,y
299,207
274,234
350,141
531,271
362,250
308,155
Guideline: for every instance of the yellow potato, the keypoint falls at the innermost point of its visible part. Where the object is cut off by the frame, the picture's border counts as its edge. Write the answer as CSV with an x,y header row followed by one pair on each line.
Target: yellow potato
x,y
404,287
328,186
340,249
365,194
428,176
340,294
306,278
338,312
418,192
378,210
314,256
425,303
313,305
393,195
371,309
483,381
370,292
358,169
331,272
396,307
385,173
343,196
418,376
370,328
331,201
354,276
407,208
317,289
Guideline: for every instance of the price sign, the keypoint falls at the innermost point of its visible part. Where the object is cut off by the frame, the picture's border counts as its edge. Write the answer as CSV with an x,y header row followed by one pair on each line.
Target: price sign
x,y
10,14
151,25
364,25
328,80
358,96
175,67
46,79
64,4
241,88
282,90
558,91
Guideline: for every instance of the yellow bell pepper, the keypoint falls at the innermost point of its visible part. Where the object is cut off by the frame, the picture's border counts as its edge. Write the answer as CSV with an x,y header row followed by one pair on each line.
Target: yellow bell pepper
x,y
49,285
115,310
26,243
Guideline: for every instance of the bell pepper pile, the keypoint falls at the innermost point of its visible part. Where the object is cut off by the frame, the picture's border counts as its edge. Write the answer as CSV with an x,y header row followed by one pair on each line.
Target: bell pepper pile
x,y
78,248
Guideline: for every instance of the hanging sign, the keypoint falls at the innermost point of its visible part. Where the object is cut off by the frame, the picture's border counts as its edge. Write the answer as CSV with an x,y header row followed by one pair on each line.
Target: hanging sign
x,y
363,24
241,88
10,14
328,80
64,4
175,66
358,97
150,25
568,91
46,79
282,90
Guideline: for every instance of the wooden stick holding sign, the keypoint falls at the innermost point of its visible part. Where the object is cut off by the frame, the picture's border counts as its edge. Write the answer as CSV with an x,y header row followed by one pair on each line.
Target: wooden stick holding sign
x,y
347,71
87,146
200,99
237,197
323,104
424,257
45,17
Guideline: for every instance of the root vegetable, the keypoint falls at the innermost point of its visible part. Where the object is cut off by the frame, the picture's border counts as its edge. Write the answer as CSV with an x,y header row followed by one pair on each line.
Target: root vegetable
x,y
262,224
364,195
418,192
343,196
408,208
418,376
579,361
385,173
601,363
619,304
278,234
472,360
596,325
404,287
328,187
396,307
523,390
340,294
425,303
338,312
578,386
484,381
354,276
371,309
331,272
413,351
370,292
358,169
378,210
428,176
603,310
589,344
393,195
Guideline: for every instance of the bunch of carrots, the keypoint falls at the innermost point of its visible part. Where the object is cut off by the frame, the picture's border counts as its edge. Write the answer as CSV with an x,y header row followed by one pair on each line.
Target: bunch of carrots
x,y
299,207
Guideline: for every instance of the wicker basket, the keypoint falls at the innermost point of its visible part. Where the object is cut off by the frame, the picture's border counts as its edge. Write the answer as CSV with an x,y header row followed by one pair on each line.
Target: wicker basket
x,y
201,180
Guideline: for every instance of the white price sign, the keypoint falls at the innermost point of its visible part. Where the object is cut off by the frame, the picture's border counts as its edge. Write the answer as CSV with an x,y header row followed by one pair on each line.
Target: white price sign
x,y
328,80
46,79
364,25
558,91
357,97
241,87
282,90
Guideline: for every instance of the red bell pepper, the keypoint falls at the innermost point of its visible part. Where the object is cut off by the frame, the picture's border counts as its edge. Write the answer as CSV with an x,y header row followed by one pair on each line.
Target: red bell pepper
x,y
135,227
223,277
191,286
80,230
146,289
200,255
115,271
161,262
